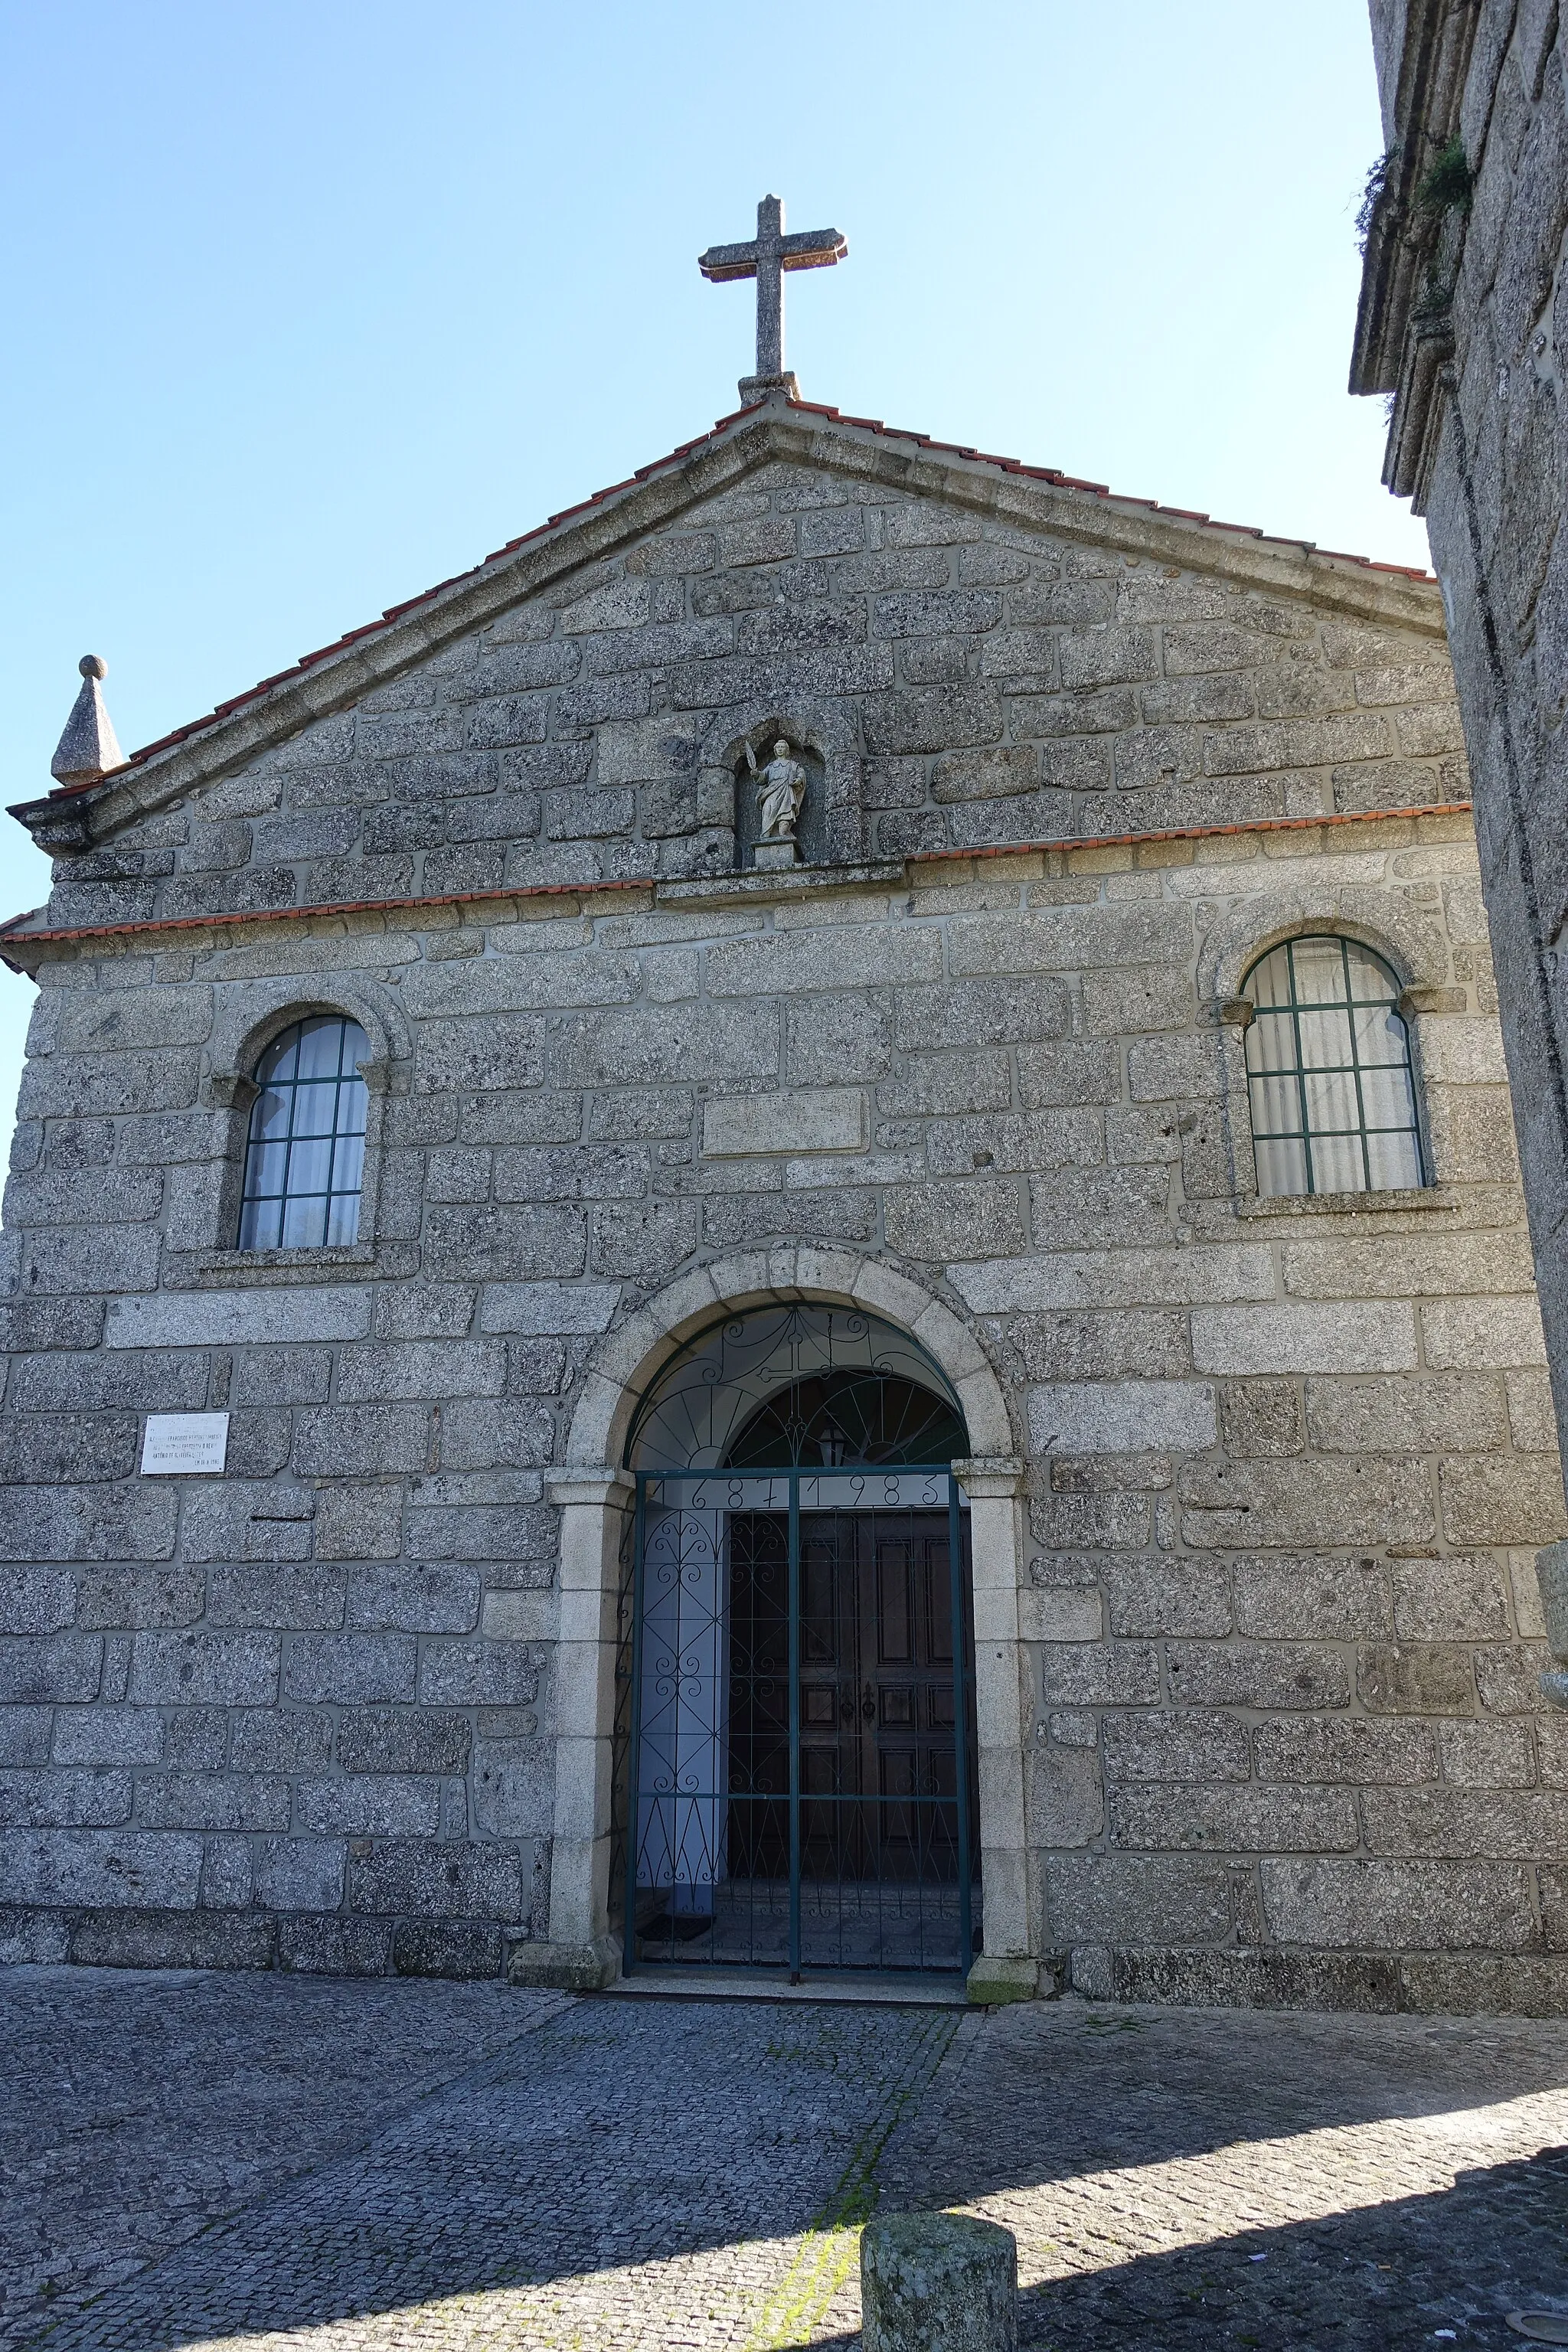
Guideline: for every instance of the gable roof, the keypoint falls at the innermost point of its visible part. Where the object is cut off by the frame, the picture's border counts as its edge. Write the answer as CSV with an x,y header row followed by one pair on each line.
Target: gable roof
x,y
806,432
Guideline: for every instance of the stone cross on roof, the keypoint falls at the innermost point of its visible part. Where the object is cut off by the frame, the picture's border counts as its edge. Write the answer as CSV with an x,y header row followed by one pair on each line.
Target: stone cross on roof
x,y
766,258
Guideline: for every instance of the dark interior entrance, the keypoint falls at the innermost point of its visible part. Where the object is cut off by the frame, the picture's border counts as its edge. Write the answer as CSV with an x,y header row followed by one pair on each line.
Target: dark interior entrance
x,y
795,1725
878,1767
803,1753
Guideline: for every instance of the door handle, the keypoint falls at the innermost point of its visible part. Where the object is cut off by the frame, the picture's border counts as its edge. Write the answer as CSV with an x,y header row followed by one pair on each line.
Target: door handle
x,y
869,1706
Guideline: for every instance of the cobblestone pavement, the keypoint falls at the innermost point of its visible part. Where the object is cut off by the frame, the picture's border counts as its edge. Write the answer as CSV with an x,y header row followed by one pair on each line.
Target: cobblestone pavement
x,y
282,2162
137,2109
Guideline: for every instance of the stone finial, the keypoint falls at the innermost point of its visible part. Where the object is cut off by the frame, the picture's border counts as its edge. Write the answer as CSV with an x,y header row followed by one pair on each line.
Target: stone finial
x,y
89,749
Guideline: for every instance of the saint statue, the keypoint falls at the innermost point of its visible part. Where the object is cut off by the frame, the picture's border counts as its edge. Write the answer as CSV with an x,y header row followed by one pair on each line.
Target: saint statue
x,y
782,783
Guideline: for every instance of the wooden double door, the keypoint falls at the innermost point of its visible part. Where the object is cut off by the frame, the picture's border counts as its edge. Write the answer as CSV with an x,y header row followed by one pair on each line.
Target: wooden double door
x,y
877,1703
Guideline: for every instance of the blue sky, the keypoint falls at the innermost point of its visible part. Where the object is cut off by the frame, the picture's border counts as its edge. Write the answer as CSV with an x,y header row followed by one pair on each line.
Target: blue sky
x,y
310,305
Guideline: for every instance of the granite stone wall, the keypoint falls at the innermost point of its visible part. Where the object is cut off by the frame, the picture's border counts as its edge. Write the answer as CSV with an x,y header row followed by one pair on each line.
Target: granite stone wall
x,y
1286,1463
1462,327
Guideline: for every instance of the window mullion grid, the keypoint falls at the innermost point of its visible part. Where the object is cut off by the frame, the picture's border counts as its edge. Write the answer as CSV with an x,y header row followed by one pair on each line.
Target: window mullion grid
x,y
1356,1068
1301,1070
287,1193
335,1143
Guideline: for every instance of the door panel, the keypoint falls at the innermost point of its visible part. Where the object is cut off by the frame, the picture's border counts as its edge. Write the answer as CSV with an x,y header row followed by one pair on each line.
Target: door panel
x,y
879,1866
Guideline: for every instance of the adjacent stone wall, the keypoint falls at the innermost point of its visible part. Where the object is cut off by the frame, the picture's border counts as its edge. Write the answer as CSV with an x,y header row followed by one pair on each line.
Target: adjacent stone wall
x,y
1462,321
1286,1462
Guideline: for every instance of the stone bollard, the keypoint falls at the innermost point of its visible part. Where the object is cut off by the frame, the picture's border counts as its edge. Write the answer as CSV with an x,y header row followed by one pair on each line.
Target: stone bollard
x,y
1551,1575
938,2283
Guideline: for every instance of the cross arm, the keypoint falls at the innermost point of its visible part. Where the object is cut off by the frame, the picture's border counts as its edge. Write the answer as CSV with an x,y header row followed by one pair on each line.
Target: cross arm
x,y
809,248
814,248
722,261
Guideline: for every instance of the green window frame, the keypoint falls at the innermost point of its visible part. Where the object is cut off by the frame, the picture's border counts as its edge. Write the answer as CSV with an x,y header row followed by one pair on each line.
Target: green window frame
x,y
1330,1084
304,1157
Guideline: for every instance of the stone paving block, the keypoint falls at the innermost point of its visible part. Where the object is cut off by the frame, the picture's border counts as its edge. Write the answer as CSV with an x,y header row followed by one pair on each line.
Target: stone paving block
x,y
37,1600
1461,1598
351,1667
1516,1500
1394,1906
290,1739
476,1673
65,1666
1122,1416
1146,1593
402,1739
1374,1500
211,1800
1118,1673
170,1940
1279,1819
25,1733
357,1523
297,1594
1351,1336
432,1598
349,1440
1490,1756
384,1805
1451,1410
1282,1675
1483,1334
335,1946
977,1220
65,1800
1359,1748
227,1319
234,1669
86,1867
1262,1416
1308,1597
1414,1677
434,1882
1196,1744
241,1520
85,1523
1136,1898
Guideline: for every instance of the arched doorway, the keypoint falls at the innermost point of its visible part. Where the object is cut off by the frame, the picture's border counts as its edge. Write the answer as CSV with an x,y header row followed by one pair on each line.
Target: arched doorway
x,y
795,1724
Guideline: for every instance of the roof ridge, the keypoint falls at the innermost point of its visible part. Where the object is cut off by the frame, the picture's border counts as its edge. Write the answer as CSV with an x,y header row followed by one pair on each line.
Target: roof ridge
x,y
1049,474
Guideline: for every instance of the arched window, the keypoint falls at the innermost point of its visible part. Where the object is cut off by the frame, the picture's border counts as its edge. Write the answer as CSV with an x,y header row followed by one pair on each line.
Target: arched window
x,y
305,1154
1328,1070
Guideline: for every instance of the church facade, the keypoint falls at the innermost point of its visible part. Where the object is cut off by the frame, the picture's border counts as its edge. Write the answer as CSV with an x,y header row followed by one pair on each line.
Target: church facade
x,y
787,1232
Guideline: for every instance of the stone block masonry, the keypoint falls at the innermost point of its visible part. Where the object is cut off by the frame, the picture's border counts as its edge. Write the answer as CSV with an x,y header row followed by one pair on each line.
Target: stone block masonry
x,y
1284,1463
1461,328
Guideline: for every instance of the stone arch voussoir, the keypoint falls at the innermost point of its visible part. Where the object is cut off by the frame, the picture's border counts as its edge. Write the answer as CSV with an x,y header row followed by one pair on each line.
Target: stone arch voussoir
x,y
631,1355
1381,920
249,1013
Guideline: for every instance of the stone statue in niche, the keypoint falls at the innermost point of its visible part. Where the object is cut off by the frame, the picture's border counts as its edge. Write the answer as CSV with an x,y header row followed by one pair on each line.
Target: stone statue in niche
x,y
782,785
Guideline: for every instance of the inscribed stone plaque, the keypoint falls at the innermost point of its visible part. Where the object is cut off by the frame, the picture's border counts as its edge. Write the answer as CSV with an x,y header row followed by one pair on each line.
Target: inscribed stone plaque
x,y
804,1118
184,1442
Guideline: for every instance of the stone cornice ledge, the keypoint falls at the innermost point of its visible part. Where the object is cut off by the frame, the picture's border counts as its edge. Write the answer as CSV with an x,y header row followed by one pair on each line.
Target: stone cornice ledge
x,y
790,882
990,1478
599,1486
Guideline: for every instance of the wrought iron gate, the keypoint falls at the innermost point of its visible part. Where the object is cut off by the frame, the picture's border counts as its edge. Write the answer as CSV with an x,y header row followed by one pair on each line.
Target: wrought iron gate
x,y
794,1721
